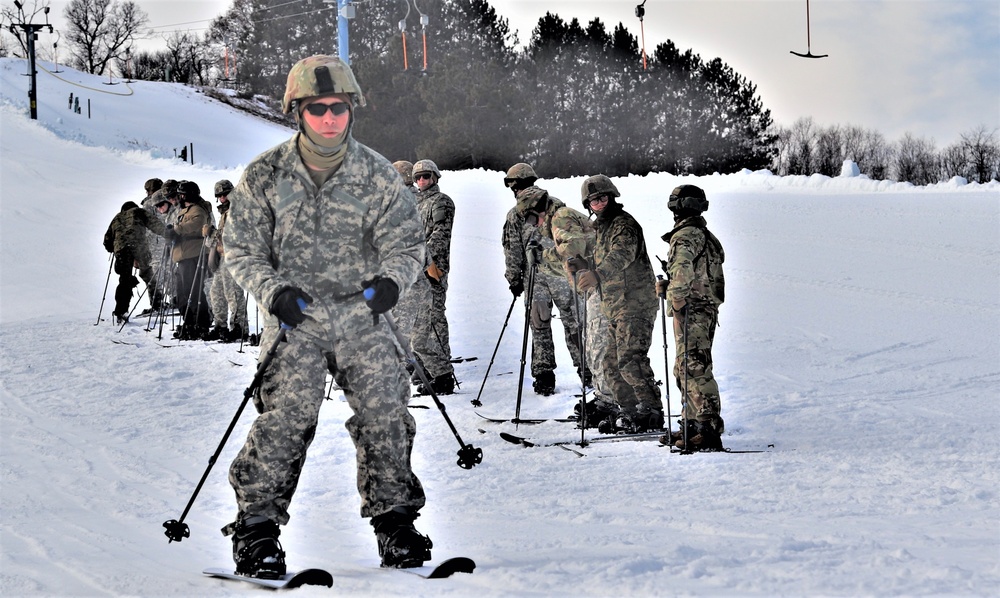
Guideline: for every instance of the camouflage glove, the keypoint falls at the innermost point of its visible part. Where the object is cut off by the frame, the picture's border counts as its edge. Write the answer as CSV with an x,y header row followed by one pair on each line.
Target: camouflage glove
x,y
207,229
386,294
516,288
285,306
169,233
575,264
586,280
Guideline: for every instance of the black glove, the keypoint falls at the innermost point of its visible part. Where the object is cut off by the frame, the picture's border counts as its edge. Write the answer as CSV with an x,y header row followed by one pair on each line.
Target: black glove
x,y
169,233
575,264
516,288
286,306
386,294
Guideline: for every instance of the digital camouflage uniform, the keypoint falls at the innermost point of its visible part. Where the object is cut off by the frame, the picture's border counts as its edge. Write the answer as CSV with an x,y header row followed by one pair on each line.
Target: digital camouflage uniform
x,y
628,300
571,234
228,299
694,275
430,334
282,232
549,289
409,304
159,258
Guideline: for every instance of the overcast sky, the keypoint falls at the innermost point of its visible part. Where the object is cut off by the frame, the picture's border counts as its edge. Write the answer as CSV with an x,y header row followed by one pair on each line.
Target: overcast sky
x,y
927,67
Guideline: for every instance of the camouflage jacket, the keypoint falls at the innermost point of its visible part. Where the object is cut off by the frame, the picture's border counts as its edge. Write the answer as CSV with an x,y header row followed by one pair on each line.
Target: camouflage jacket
x,y
437,213
127,232
694,265
622,265
571,234
282,231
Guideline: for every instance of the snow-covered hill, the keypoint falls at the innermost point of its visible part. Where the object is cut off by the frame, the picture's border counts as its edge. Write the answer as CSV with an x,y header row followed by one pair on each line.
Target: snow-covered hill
x,y
860,338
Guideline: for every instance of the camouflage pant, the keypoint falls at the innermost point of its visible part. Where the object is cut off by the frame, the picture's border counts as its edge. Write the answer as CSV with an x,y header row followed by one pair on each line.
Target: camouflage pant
x,y
266,471
597,340
702,390
430,337
227,298
626,365
551,290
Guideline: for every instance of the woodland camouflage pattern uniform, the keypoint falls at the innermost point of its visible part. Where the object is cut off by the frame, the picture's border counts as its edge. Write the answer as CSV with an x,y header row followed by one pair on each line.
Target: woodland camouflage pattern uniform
x,y
227,297
549,288
694,275
571,234
330,241
625,279
430,337
126,239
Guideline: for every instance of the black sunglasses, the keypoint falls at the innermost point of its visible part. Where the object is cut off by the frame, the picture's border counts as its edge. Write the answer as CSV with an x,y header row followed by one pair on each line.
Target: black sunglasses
x,y
423,175
337,108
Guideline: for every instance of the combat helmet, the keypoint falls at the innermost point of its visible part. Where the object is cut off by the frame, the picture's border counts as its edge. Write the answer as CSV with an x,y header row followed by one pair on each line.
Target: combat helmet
x,y
687,200
320,75
405,170
223,187
190,190
520,172
595,186
426,166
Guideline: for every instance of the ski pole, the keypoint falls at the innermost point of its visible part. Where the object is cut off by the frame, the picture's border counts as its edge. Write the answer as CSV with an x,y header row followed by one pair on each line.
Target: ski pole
x,y
666,360
529,294
476,402
106,283
581,335
468,456
176,529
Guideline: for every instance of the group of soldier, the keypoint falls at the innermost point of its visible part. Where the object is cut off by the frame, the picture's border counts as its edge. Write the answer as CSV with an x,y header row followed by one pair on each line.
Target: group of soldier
x,y
348,256
594,267
172,241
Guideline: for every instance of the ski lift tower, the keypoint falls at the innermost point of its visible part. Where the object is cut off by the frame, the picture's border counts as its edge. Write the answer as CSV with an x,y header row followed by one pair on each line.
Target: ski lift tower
x,y
345,12
31,33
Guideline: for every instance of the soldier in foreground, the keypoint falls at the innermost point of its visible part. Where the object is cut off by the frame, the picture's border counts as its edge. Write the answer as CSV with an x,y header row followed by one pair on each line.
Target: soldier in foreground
x,y
694,289
314,222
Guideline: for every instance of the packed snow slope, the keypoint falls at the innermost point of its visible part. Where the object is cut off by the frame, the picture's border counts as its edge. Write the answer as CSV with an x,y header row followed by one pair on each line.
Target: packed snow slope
x,y
859,346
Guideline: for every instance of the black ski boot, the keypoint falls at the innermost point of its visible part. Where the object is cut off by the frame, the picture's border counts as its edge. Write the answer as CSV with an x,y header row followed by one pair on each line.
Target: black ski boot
x,y
256,549
400,545
441,385
545,383
707,436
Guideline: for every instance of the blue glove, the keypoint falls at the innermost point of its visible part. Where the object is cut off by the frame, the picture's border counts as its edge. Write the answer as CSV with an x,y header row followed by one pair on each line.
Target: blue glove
x,y
288,305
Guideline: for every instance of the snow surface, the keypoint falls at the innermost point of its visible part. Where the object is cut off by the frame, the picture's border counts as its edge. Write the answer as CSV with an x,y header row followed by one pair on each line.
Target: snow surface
x,y
859,343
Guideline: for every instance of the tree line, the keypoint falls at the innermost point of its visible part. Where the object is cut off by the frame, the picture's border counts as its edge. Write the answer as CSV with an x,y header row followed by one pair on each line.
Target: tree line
x,y
575,99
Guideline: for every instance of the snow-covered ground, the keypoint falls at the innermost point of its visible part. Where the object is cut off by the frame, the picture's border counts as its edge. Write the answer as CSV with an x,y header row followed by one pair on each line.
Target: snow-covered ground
x,y
860,338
